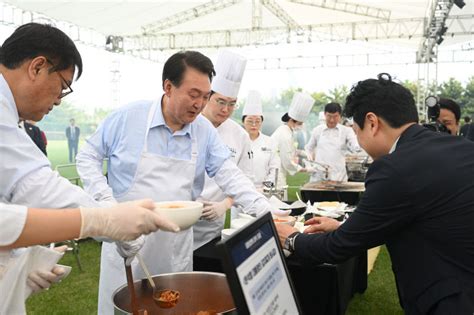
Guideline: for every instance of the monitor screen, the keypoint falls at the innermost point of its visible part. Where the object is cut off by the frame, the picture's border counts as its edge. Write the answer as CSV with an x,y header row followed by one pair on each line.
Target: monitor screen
x,y
256,270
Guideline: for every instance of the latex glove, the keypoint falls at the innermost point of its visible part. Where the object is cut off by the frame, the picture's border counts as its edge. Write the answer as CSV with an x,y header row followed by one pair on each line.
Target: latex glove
x,y
310,169
39,280
124,221
129,249
213,210
321,225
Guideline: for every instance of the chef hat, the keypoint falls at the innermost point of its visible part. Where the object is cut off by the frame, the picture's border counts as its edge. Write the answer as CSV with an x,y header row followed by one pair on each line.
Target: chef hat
x,y
300,107
229,72
253,105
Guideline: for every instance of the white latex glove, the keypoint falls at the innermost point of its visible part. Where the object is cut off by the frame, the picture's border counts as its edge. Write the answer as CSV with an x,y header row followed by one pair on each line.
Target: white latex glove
x,y
215,209
310,169
124,221
39,280
129,249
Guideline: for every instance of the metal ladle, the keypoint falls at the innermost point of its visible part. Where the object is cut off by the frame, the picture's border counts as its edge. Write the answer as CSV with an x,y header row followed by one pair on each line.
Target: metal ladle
x,y
157,294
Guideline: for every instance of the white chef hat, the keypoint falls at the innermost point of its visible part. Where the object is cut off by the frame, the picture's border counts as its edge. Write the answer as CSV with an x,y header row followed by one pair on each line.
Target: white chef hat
x,y
300,107
230,69
253,105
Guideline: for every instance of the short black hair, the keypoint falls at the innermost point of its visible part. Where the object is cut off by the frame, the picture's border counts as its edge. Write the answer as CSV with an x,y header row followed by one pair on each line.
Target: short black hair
x,y
245,116
333,108
452,106
177,64
467,119
383,97
32,40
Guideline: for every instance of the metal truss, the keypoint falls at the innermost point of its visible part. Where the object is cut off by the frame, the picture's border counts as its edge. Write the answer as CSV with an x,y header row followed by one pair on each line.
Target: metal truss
x,y
188,15
280,13
366,30
256,14
347,7
13,16
354,60
434,30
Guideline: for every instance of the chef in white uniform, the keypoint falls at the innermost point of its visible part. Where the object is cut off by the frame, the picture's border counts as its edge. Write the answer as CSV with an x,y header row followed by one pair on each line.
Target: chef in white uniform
x,y
299,110
161,150
265,157
230,69
328,144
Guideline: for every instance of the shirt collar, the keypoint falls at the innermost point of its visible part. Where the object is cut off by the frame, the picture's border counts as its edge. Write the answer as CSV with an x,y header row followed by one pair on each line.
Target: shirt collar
x,y
327,128
394,146
159,121
7,93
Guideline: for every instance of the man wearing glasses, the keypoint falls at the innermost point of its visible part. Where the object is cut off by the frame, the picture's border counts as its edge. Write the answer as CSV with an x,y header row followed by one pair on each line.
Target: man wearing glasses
x,y
230,69
37,66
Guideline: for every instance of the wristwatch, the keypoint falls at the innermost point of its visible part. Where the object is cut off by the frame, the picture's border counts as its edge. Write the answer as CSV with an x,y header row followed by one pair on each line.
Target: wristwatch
x,y
290,242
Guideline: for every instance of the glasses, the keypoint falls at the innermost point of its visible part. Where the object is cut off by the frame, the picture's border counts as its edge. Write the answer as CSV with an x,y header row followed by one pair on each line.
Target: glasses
x,y
253,123
65,90
222,103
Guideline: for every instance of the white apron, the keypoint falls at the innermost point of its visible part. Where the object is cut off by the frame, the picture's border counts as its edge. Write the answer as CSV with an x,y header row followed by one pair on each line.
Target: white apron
x,y
330,151
160,178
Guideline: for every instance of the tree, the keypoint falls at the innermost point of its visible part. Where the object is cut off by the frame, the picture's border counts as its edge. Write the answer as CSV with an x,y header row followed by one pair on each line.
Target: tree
x,y
452,89
467,99
338,94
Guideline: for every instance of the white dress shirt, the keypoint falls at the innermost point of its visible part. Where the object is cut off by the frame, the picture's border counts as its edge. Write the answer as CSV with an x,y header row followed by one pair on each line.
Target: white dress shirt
x,y
328,147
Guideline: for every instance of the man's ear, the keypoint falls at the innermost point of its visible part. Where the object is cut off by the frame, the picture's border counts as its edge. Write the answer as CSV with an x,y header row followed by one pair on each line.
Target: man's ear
x,y
372,122
35,66
167,86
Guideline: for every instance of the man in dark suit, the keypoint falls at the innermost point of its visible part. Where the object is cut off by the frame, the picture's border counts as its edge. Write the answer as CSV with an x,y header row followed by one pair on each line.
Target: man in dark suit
x,y
35,135
419,201
467,130
72,135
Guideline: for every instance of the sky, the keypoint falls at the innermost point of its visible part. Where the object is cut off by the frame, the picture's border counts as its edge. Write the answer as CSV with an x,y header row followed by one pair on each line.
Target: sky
x,y
110,80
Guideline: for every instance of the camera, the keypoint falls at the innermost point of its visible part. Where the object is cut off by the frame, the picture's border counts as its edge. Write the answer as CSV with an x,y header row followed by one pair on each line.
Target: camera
x,y
432,103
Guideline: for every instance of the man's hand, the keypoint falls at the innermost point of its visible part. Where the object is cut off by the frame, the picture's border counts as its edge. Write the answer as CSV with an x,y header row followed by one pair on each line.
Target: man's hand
x,y
321,225
39,280
284,230
129,249
215,209
124,221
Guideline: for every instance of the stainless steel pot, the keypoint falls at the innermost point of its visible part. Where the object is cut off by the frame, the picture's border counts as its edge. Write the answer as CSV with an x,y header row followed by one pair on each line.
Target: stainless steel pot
x,y
199,291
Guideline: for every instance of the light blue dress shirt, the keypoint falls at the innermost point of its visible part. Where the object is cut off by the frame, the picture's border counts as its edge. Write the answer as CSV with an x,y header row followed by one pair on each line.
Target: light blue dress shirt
x,y
120,138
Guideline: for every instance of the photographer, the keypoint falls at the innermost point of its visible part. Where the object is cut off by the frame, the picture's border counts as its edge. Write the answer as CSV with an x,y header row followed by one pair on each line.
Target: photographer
x,y
449,115
419,201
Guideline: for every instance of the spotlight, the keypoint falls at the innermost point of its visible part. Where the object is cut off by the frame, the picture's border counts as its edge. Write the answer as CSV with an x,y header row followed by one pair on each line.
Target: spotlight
x,y
439,40
459,3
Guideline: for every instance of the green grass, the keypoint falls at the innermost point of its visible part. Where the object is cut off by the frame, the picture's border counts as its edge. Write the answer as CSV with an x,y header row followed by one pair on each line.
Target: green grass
x,y
77,294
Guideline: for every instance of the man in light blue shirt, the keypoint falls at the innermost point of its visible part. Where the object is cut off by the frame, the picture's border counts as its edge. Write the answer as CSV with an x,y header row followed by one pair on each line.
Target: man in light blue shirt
x,y
161,150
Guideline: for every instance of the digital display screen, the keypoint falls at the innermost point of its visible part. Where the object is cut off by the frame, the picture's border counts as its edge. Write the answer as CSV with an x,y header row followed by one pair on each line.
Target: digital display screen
x,y
262,275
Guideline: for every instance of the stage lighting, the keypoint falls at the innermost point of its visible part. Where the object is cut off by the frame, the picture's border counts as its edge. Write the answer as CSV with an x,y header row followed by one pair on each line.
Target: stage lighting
x,y
459,3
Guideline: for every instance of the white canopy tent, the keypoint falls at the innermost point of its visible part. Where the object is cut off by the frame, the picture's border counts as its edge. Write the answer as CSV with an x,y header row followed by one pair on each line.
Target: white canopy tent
x,y
273,34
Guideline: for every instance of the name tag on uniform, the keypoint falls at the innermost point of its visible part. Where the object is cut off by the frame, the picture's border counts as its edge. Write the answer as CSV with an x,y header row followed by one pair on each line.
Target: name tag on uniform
x,y
233,151
265,149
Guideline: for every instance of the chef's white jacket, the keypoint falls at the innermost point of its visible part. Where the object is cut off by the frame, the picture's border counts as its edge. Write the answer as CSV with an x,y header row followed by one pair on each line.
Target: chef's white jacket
x,y
286,146
266,161
26,175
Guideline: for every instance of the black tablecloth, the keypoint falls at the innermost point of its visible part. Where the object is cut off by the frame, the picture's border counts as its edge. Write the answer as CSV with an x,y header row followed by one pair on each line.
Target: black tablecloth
x,y
321,289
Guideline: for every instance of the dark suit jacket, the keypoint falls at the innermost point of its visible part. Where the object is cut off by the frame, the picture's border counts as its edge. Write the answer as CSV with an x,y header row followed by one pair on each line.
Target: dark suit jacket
x,y
77,132
35,135
419,201
467,131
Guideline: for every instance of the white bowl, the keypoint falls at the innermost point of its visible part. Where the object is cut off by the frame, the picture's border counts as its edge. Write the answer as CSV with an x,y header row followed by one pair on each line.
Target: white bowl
x,y
182,213
226,233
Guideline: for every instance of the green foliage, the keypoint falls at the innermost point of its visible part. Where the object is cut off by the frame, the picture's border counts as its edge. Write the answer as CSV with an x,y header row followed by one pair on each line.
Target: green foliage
x,y
452,89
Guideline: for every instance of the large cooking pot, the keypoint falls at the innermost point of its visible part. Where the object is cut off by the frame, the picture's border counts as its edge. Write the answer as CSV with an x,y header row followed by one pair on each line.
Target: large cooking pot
x,y
199,291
